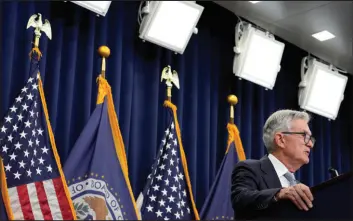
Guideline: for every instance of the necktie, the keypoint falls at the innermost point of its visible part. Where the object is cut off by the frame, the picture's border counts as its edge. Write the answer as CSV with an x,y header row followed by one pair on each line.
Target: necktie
x,y
290,177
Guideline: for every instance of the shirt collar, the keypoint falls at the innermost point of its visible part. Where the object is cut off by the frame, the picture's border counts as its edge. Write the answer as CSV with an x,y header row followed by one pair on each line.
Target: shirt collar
x,y
280,168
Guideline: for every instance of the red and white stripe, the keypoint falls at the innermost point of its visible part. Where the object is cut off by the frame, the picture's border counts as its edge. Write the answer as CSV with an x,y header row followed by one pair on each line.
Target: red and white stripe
x,y
44,200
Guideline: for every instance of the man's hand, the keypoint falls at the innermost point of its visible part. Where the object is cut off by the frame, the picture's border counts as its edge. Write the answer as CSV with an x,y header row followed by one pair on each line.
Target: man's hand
x,y
299,194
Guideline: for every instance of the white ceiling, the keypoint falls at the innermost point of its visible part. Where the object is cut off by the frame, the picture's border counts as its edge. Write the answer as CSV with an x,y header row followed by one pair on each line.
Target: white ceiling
x,y
296,21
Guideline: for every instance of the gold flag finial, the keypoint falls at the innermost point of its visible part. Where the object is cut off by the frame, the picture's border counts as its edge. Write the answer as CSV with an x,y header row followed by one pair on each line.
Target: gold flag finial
x,y
170,79
35,21
103,51
232,100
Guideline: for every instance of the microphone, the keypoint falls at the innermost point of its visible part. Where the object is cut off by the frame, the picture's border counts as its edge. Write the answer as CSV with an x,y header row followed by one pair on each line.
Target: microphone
x,y
333,172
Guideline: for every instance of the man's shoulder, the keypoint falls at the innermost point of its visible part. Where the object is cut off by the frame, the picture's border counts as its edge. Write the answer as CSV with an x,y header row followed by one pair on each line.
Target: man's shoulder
x,y
250,163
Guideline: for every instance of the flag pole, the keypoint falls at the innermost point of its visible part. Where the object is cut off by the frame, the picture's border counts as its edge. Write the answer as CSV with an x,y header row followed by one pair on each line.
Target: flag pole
x,y
232,100
169,93
103,51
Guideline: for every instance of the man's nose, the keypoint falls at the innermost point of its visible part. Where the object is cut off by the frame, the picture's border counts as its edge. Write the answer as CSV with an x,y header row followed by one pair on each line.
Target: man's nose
x,y
310,144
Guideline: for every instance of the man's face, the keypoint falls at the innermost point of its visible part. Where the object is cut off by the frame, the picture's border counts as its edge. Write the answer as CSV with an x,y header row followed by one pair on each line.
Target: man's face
x,y
294,146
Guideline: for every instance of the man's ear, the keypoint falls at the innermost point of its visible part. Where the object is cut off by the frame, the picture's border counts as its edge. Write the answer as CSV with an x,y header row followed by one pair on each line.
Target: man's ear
x,y
279,140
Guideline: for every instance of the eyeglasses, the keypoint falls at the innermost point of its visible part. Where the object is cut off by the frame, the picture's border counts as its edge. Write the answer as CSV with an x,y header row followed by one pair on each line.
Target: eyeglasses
x,y
306,136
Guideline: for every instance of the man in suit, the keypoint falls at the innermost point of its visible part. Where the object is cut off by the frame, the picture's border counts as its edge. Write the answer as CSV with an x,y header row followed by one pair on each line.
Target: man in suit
x,y
259,184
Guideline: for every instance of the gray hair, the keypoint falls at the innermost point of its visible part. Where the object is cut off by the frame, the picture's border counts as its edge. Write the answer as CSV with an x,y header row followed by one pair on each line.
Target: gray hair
x,y
280,121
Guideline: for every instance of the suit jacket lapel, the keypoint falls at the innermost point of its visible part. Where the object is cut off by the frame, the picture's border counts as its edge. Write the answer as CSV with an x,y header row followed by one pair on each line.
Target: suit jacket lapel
x,y
269,173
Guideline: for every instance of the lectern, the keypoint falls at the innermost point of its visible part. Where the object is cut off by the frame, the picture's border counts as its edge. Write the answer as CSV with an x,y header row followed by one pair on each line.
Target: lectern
x,y
333,200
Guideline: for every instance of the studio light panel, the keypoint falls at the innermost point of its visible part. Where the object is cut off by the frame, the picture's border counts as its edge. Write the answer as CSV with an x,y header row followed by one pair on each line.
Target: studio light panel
x,y
324,92
170,24
259,59
99,7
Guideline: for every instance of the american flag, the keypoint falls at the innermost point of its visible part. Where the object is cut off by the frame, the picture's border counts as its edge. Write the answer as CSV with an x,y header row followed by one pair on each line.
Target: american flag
x,y
166,195
34,185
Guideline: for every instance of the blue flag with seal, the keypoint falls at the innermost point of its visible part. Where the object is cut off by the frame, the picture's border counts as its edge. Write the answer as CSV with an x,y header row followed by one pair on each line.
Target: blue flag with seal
x,y
218,205
97,167
168,193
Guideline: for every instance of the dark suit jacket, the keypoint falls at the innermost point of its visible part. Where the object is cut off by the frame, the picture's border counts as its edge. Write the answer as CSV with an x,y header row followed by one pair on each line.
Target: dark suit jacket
x,y
254,184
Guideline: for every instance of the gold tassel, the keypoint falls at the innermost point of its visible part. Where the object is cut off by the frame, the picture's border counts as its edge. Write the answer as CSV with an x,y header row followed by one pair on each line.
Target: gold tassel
x,y
104,89
233,135
35,49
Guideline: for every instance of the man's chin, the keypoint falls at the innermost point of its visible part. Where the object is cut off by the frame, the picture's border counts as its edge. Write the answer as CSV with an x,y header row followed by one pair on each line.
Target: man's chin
x,y
306,160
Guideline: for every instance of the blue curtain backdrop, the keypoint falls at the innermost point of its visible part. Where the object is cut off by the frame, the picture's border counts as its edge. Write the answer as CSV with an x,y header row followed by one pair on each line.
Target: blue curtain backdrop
x,y
70,65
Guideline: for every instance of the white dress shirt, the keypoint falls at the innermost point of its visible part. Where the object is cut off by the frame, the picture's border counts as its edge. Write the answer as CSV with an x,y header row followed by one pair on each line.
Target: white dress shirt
x,y
280,169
